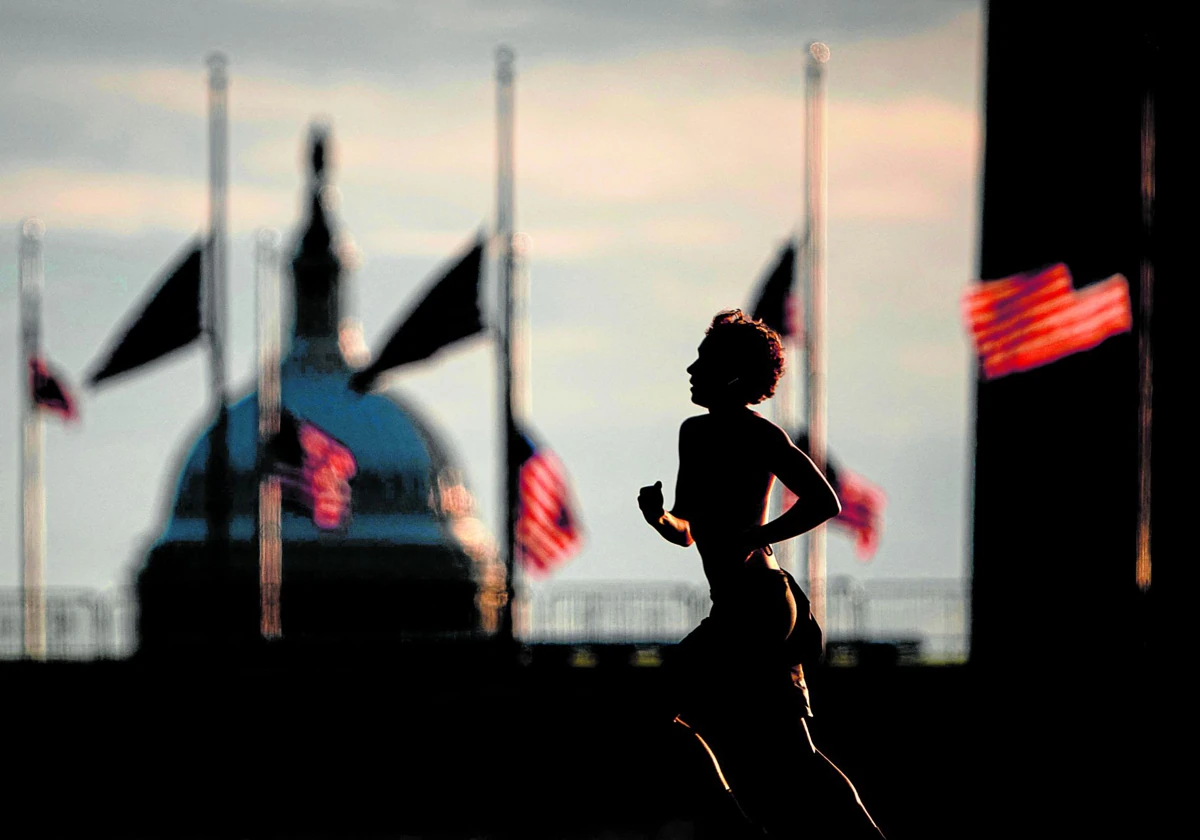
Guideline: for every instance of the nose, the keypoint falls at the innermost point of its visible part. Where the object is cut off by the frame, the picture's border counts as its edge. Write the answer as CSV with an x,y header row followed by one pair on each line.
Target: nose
x,y
691,369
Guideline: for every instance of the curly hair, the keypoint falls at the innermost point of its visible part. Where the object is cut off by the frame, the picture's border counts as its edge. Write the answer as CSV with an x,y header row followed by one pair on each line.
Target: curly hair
x,y
754,351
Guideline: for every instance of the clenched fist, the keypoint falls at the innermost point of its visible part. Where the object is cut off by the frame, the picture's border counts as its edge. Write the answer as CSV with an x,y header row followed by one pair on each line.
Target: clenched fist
x,y
650,500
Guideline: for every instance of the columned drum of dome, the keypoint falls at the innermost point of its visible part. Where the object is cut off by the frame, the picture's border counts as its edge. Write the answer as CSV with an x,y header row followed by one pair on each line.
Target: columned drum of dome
x,y
411,562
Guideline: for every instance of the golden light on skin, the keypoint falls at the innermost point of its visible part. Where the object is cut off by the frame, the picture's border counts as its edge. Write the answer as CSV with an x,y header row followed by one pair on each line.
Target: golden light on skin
x,y
819,52
712,756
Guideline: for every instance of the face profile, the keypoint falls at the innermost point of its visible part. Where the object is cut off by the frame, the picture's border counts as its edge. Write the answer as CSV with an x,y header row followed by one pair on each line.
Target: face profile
x,y
711,378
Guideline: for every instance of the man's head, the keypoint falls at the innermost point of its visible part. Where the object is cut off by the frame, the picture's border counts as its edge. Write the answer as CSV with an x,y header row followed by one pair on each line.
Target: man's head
x,y
739,362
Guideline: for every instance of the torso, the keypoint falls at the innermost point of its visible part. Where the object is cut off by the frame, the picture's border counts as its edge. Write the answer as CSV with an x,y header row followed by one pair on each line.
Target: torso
x,y
723,488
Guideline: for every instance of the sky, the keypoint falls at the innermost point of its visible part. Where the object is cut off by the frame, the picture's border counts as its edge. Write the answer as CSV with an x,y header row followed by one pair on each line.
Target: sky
x,y
659,167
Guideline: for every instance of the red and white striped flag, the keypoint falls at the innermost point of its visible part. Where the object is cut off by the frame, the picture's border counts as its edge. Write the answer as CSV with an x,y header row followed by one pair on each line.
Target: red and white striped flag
x,y
862,512
862,507
314,471
1035,318
548,531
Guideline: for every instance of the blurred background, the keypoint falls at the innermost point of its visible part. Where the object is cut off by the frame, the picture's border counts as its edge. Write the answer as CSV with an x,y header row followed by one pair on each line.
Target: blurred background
x,y
659,167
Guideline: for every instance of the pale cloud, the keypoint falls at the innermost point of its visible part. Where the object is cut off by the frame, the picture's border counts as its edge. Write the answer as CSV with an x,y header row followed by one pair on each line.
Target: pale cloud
x,y
128,202
912,158
682,231
694,131
551,243
419,243
577,341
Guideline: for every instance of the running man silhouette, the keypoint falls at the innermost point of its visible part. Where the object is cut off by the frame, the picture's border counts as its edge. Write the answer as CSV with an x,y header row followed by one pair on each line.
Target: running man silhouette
x,y
739,677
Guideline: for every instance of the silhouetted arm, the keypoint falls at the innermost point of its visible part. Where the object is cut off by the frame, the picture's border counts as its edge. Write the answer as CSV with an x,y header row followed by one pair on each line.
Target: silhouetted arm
x,y
815,500
672,526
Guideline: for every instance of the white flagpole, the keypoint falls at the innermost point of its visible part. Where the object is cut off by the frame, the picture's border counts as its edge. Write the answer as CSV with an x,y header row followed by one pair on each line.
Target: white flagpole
x,y
504,239
815,302
785,417
270,532
216,492
33,489
521,346
522,394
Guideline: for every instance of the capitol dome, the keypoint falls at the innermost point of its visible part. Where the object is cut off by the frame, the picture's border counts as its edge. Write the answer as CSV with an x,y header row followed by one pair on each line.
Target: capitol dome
x,y
411,562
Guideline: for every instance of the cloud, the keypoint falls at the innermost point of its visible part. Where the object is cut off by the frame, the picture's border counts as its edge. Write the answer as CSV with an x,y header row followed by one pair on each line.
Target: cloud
x,y
129,202
413,40
685,147
913,158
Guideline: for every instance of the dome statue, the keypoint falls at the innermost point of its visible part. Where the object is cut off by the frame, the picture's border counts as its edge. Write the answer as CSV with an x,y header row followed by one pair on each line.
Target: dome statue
x,y
412,562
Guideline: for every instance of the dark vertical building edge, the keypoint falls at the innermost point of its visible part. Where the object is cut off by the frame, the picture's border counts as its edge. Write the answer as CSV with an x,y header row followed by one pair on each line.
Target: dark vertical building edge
x,y
1073,657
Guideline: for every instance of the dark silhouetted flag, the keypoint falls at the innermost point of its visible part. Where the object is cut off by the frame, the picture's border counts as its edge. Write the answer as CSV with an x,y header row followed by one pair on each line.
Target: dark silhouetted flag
x,y
314,471
168,321
862,504
548,531
1035,318
448,313
48,391
777,304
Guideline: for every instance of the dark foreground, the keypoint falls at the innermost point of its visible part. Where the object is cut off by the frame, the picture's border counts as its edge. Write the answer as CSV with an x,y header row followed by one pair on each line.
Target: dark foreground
x,y
463,743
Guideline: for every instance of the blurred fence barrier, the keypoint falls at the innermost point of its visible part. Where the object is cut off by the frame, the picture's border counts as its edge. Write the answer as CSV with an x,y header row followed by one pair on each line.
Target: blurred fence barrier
x,y
81,624
924,619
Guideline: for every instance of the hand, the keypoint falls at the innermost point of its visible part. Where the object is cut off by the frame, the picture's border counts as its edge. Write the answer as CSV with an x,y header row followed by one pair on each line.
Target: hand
x,y
650,500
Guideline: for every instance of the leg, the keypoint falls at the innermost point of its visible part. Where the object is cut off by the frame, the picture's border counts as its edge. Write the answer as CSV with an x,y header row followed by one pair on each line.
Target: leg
x,y
856,814
786,785
718,815
827,800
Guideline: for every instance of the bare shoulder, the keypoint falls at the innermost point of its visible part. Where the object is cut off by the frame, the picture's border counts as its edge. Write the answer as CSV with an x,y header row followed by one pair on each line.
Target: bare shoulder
x,y
693,425
767,432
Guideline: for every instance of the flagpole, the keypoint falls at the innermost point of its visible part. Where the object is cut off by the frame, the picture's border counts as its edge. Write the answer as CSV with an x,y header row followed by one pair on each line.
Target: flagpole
x,y
815,360
508,301
216,492
270,532
522,402
785,416
522,387
33,489
1143,567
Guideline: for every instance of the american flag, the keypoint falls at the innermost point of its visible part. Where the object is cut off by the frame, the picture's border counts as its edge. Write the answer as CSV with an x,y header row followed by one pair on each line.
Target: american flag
x,y
862,507
862,512
548,531
1035,318
314,471
48,391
